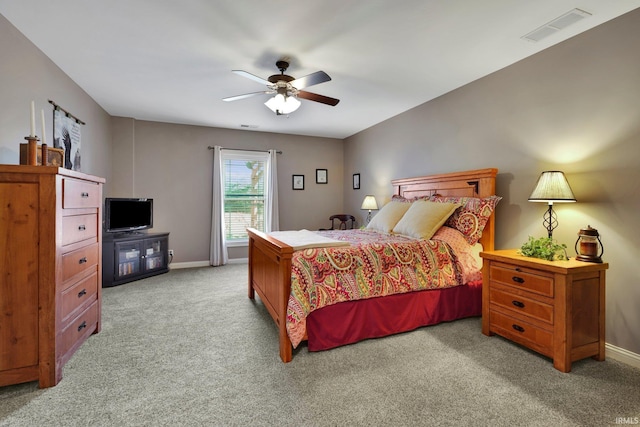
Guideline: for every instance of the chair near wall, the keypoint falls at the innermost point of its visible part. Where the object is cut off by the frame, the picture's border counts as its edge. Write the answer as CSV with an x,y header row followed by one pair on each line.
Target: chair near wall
x,y
341,222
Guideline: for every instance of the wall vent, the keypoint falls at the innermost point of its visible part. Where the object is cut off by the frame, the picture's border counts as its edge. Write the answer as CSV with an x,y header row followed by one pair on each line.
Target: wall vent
x,y
556,25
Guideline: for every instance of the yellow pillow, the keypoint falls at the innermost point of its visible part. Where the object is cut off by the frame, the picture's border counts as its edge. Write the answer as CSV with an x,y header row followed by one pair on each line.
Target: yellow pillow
x,y
388,216
424,218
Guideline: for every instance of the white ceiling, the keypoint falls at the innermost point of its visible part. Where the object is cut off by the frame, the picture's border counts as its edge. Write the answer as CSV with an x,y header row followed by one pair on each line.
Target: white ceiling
x,y
171,61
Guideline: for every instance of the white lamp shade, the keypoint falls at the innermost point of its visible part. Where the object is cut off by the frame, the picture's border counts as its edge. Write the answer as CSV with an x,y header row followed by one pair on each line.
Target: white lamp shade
x,y
552,186
280,104
369,203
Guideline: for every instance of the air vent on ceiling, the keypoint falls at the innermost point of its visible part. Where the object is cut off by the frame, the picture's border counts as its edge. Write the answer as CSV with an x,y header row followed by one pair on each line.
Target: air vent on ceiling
x,y
556,25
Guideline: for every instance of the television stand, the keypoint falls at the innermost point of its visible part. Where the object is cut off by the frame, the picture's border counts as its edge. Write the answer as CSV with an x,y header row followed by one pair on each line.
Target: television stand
x,y
132,256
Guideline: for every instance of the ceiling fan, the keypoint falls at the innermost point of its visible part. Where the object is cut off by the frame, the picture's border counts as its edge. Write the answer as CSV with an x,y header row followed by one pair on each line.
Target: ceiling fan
x,y
287,89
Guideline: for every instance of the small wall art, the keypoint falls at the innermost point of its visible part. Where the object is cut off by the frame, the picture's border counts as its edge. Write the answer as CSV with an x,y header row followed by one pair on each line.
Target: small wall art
x,y
356,181
321,176
298,182
66,135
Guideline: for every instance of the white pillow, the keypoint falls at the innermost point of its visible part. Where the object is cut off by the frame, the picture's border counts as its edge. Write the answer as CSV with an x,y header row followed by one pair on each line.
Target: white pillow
x,y
388,216
424,218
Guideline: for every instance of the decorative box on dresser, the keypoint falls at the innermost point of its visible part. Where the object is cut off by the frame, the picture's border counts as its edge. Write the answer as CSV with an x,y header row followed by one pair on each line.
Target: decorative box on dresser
x,y
556,308
50,269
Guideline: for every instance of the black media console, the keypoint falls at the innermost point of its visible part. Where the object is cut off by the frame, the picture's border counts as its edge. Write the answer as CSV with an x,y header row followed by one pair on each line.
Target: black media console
x,y
131,256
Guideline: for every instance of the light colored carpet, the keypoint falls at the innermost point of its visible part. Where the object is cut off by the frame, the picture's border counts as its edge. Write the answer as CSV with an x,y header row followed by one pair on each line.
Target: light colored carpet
x,y
189,348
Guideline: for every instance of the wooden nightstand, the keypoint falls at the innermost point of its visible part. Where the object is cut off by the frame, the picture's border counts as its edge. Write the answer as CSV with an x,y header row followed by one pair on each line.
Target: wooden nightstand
x,y
553,307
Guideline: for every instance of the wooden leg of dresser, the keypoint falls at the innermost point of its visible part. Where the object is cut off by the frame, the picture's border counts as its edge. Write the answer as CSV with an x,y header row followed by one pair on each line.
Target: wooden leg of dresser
x,y
562,365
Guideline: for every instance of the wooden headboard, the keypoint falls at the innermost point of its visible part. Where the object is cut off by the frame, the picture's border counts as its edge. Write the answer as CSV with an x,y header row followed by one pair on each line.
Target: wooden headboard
x,y
474,183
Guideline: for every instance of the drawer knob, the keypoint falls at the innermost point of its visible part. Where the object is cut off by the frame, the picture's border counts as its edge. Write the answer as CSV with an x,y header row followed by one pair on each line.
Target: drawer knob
x,y
82,227
517,303
84,195
82,260
82,326
518,328
517,279
82,293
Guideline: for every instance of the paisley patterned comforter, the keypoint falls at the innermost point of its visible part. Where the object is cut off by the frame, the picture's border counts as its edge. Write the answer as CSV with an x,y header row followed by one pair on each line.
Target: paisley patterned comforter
x,y
374,265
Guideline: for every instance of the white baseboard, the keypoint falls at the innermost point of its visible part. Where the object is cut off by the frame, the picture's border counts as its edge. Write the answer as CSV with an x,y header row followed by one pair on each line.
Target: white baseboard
x,y
191,264
195,264
622,355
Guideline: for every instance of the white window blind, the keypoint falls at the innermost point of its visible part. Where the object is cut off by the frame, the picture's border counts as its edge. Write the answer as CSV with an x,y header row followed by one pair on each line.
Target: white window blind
x,y
244,192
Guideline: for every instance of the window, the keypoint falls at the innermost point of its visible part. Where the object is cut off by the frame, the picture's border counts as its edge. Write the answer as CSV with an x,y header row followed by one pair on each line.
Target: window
x,y
245,192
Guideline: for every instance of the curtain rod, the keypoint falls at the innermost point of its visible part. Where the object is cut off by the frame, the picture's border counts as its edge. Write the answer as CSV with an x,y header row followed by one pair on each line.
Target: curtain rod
x,y
242,149
57,107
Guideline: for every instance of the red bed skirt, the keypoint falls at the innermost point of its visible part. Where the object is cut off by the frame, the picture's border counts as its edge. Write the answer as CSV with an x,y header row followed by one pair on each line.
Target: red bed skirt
x,y
352,321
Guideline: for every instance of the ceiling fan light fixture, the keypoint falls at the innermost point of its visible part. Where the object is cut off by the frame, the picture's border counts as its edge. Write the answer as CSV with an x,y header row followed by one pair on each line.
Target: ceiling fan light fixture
x,y
282,104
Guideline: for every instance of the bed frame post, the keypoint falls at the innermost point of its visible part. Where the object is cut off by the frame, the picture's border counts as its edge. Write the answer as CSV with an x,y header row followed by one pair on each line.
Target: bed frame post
x,y
270,278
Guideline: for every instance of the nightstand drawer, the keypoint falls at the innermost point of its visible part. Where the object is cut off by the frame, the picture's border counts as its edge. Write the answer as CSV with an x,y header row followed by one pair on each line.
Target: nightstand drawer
x,y
522,305
522,278
522,332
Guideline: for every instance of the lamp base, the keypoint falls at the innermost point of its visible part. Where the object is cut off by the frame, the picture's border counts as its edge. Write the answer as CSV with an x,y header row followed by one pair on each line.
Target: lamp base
x,y
550,220
586,258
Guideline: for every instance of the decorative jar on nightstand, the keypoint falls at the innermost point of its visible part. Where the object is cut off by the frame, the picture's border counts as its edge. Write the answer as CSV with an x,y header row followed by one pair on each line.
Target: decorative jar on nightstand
x,y
556,308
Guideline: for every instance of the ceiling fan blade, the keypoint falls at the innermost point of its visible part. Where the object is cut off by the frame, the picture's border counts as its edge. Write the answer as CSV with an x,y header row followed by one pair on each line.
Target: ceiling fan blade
x,y
310,80
251,76
318,98
246,95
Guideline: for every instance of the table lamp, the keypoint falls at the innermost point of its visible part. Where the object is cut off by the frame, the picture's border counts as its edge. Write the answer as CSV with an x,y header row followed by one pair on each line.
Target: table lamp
x,y
369,203
552,186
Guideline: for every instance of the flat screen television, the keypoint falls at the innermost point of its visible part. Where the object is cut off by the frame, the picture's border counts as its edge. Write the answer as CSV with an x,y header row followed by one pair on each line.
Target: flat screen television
x,y
126,214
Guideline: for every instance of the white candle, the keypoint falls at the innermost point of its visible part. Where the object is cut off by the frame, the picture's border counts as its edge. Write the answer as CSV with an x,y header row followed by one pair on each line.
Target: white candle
x,y
33,119
44,141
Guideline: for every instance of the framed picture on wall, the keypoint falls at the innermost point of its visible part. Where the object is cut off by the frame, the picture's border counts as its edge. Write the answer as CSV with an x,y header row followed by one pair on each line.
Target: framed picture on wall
x,y
298,182
321,176
356,181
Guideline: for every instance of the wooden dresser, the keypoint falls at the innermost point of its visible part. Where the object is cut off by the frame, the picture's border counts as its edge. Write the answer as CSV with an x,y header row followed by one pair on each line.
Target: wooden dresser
x,y
50,269
556,308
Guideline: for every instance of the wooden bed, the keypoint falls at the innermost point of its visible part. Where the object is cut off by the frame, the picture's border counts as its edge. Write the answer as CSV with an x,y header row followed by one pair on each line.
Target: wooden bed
x,y
270,259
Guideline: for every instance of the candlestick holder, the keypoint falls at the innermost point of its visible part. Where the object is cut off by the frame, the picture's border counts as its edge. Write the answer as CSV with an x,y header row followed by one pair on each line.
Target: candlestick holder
x,y
32,150
45,154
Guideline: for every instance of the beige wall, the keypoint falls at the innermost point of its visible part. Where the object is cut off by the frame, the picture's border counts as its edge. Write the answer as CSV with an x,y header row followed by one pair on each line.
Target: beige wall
x,y
573,107
172,165
26,75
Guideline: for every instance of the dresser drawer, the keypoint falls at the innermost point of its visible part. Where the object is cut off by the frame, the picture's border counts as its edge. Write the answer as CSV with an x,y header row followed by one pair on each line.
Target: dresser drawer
x,y
79,327
77,228
522,332
80,194
80,294
522,305
77,261
522,278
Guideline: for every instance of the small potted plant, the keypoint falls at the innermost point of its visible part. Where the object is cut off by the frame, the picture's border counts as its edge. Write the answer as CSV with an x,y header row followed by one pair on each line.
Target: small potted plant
x,y
544,248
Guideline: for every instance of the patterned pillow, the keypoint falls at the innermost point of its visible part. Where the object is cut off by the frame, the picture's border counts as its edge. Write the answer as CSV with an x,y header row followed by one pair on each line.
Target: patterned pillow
x,y
470,218
398,198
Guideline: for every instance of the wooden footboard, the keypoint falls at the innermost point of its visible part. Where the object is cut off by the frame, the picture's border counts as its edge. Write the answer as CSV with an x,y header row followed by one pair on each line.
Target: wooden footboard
x,y
270,277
